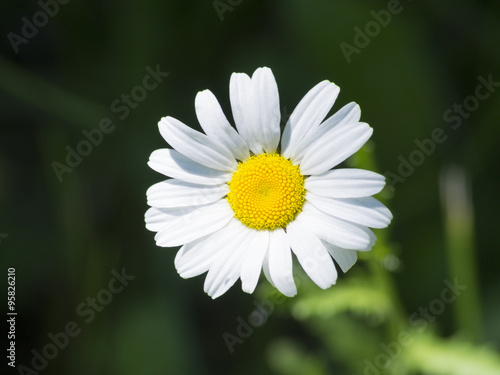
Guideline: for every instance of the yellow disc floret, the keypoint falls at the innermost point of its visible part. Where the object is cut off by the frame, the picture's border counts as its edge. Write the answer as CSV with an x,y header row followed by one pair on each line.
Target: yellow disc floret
x,y
266,192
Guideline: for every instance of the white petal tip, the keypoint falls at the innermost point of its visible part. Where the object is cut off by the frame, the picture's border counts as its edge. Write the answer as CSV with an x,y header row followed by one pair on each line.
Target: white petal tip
x,y
248,289
289,294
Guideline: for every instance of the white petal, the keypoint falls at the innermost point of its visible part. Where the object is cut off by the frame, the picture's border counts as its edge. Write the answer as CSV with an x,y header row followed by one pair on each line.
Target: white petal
x,y
345,183
268,107
156,218
176,193
308,114
196,257
186,228
364,211
334,145
196,146
280,263
344,258
335,231
226,269
252,264
173,164
243,104
215,124
348,114
312,255
256,111
265,268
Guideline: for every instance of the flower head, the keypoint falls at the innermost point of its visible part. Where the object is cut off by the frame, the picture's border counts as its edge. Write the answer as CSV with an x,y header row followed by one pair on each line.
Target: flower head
x,y
238,201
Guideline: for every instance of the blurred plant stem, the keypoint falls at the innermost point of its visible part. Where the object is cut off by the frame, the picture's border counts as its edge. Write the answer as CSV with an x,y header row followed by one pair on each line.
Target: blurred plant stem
x,y
397,321
29,88
459,231
376,260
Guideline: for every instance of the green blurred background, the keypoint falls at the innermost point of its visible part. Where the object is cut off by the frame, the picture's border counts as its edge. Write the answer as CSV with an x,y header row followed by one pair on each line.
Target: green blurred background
x,y
64,238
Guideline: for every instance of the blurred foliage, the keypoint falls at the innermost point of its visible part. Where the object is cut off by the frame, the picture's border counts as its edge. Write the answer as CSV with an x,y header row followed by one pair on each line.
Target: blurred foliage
x,y
65,238
452,357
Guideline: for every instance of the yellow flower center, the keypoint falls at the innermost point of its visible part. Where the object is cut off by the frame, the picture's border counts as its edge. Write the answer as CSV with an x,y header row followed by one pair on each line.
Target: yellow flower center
x,y
266,192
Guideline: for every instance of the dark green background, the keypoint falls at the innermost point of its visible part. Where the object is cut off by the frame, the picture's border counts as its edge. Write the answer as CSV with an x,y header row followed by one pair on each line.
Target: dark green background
x,y
65,238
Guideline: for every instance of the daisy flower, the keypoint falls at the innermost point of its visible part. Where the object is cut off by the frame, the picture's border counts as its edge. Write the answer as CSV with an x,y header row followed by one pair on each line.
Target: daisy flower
x,y
242,200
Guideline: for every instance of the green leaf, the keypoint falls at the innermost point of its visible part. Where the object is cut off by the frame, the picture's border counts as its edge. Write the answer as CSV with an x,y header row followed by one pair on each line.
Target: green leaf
x,y
434,356
355,295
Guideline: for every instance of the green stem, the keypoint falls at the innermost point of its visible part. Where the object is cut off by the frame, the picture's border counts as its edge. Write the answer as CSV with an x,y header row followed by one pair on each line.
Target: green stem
x,y
459,228
398,321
